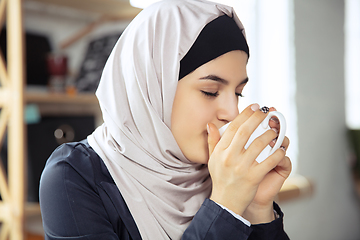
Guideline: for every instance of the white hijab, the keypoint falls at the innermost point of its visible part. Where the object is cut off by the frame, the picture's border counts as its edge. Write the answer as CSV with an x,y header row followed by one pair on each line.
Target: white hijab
x,y
162,189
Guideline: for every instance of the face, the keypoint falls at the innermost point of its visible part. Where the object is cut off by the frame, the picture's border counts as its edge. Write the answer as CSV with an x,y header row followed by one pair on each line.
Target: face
x,y
210,94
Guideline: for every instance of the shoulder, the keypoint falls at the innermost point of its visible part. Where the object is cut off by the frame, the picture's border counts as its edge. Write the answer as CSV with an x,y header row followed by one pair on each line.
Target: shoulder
x,y
72,200
72,154
77,159
73,169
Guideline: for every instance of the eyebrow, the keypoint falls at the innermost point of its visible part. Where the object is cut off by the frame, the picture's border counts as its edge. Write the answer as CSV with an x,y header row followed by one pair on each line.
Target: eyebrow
x,y
221,80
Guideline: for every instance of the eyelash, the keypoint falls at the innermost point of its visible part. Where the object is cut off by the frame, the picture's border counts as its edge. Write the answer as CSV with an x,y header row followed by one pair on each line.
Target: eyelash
x,y
210,94
215,94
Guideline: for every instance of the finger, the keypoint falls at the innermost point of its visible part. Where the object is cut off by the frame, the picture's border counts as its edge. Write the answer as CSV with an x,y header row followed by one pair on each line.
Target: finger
x,y
285,143
274,123
284,167
246,130
259,144
213,137
271,162
236,123
271,109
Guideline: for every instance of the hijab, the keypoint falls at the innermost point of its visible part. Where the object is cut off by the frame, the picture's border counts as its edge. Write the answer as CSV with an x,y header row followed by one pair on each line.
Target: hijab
x,y
162,189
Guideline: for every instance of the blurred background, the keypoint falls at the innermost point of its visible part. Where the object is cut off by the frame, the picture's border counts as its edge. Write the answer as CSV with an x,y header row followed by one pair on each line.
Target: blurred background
x,y
304,60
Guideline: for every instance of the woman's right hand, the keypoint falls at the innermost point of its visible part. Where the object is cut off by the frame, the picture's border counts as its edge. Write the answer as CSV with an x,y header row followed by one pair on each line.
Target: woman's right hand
x,y
234,171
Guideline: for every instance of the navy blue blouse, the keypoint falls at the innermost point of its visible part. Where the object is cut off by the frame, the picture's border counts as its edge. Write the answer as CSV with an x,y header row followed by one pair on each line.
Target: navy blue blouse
x,y
79,200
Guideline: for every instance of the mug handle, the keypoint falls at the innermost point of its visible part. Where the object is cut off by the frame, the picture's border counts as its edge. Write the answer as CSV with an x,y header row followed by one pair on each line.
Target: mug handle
x,y
261,129
282,129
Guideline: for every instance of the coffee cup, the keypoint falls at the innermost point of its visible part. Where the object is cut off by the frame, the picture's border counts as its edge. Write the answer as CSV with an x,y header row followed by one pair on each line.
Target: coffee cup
x,y
261,129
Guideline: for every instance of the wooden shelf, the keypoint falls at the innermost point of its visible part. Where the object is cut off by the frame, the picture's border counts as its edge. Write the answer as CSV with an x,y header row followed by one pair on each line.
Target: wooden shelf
x,y
120,9
62,104
296,187
60,98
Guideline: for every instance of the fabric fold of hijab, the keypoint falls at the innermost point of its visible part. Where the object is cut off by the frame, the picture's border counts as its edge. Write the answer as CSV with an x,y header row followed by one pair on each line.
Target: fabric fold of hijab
x,y
162,189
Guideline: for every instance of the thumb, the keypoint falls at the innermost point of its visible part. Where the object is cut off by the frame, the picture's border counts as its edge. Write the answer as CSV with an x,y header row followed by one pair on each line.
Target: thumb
x,y
213,137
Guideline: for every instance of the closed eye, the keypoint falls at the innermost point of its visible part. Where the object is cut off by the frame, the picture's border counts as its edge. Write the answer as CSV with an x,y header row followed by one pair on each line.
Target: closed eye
x,y
210,94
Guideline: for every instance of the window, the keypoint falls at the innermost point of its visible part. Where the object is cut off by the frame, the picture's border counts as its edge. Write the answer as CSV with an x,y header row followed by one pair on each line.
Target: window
x,y
352,60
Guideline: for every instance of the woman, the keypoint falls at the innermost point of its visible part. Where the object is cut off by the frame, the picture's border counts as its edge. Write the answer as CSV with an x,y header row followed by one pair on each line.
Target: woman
x,y
171,81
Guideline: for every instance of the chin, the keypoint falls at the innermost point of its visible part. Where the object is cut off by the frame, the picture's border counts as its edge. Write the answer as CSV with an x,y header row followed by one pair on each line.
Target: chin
x,y
197,151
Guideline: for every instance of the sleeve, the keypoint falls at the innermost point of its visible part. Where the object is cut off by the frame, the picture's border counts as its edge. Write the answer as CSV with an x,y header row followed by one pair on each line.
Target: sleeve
x,y
214,222
236,215
71,207
270,231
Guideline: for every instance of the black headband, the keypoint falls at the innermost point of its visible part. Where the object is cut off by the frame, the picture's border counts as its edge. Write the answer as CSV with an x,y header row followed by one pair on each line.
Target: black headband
x,y
219,36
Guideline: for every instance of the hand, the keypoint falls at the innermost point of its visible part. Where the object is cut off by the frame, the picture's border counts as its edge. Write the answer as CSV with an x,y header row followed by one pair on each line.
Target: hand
x,y
239,182
261,208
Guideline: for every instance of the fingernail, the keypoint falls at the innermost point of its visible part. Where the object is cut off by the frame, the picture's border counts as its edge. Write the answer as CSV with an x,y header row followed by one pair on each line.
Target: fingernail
x,y
264,109
255,107
274,140
208,128
283,148
274,119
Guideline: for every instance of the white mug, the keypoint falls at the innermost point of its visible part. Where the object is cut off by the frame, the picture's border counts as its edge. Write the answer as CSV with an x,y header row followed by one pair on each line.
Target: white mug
x,y
262,128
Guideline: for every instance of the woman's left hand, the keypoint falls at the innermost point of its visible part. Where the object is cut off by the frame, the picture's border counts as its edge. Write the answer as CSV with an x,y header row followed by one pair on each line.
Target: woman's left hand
x,y
260,209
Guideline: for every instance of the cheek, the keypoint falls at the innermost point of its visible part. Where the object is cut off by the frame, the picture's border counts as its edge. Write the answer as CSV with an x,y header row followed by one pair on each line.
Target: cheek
x,y
190,117
189,121
198,114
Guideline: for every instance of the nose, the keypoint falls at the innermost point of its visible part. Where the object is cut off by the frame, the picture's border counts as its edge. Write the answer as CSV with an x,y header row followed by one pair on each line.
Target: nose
x,y
228,110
